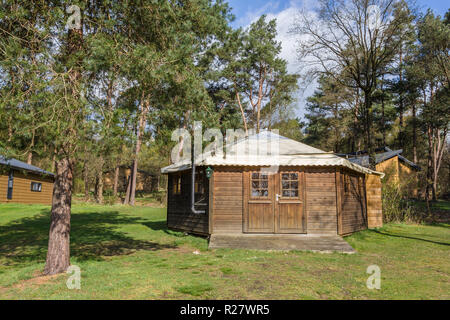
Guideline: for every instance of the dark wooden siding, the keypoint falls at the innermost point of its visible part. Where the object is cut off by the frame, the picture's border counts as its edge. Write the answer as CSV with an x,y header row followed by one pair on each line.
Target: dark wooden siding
x,y
321,200
22,188
353,212
227,200
179,215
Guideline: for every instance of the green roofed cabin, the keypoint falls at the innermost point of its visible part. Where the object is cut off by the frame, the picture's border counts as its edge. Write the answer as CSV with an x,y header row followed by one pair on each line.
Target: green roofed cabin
x,y
24,183
295,190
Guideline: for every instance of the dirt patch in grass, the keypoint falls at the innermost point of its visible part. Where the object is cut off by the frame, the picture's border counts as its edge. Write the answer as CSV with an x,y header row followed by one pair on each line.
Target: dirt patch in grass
x,y
38,279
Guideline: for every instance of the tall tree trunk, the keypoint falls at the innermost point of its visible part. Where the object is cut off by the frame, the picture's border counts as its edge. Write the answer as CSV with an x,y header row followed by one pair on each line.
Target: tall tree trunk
x,y
242,113
435,159
128,191
116,180
86,184
133,182
438,152
414,133
86,176
355,144
383,121
53,161
429,184
258,109
99,182
336,129
10,118
99,188
368,119
102,150
58,255
30,153
401,102
145,106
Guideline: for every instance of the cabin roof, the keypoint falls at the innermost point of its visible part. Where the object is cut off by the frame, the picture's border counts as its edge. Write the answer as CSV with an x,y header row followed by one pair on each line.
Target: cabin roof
x,y
17,164
380,157
268,149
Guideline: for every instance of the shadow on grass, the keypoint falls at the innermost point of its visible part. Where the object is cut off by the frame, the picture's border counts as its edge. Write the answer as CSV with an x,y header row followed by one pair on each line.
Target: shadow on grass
x,y
156,225
162,226
94,235
384,233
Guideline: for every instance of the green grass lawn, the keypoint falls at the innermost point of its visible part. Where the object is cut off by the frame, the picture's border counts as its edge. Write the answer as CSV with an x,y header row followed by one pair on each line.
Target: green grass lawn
x,y
127,253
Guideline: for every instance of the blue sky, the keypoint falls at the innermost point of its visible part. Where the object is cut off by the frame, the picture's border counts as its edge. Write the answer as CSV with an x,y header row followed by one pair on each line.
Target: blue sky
x,y
247,11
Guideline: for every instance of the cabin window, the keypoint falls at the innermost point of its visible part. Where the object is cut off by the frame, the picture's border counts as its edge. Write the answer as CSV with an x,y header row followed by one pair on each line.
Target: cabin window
x,y
176,184
36,187
260,185
289,185
199,186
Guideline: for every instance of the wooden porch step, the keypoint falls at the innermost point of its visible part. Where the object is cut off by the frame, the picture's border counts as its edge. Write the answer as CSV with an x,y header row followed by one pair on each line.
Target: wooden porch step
x,y
321,243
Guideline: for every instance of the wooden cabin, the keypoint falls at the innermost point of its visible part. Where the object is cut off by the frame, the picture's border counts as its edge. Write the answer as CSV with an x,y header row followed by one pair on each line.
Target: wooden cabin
x,y
397,168
24,183
296,190
145,181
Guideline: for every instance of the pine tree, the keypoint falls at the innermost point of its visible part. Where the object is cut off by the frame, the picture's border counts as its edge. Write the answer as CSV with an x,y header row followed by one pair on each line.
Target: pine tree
x,y
258,80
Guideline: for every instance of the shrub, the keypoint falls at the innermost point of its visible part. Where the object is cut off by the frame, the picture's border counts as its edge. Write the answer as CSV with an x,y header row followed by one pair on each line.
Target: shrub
x,y
395,194
395,207
109,200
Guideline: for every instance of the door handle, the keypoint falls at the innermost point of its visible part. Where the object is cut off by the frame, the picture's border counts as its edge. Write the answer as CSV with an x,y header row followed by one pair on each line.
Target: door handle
x,y
277,197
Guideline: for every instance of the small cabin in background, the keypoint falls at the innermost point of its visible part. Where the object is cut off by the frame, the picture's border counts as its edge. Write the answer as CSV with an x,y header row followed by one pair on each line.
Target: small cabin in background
x,y
24,183
145,181
397,168
309,192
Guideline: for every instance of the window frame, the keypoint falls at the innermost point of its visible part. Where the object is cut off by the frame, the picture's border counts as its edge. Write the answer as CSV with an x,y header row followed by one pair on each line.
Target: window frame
x,y
259,188
176,185
200,180
34,183
298,180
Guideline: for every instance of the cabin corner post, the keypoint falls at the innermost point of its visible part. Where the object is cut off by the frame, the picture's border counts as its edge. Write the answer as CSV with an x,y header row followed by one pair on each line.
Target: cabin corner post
x,y
305,201
245,197
211,205
339,200
364,194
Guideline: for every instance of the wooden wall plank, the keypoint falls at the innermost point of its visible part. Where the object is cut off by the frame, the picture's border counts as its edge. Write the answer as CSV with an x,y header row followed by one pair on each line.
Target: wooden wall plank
x,y
228,200
320,184
374,201
354,212
22,189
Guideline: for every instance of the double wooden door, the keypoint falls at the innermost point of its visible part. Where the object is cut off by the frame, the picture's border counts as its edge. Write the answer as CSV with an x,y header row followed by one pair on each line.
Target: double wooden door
x,y
274,203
